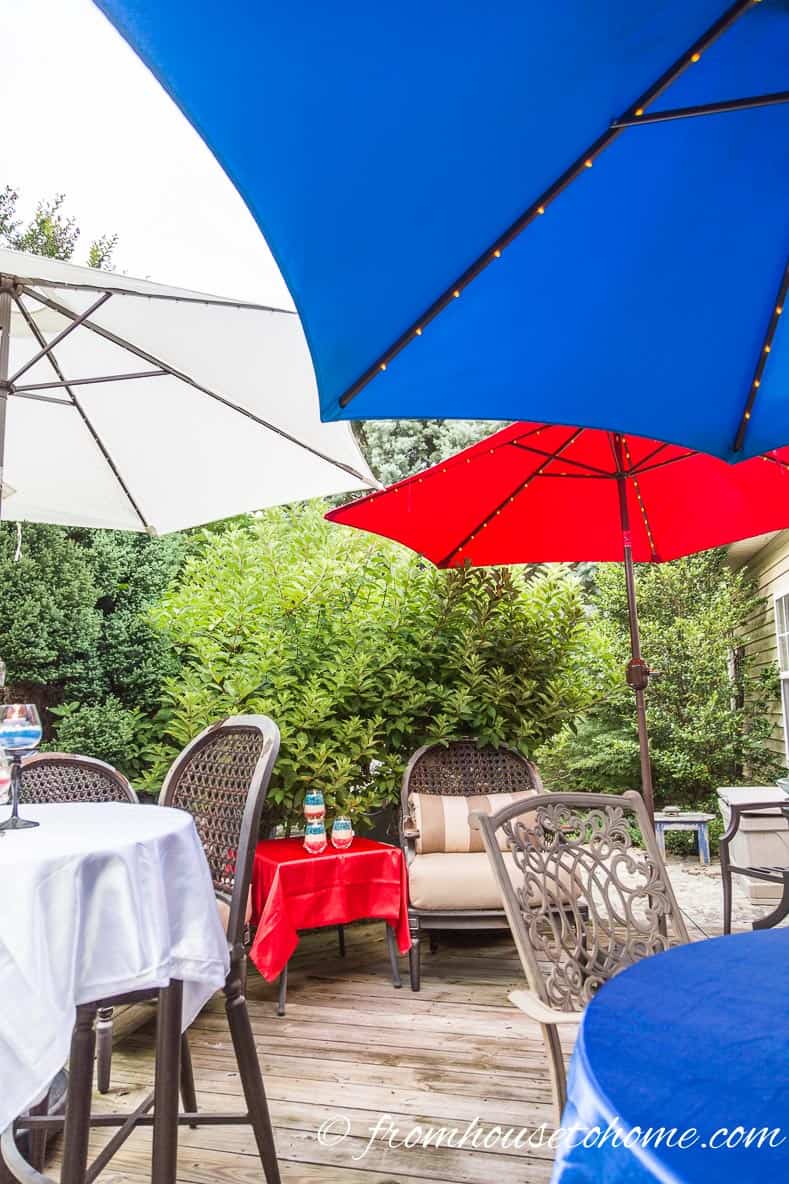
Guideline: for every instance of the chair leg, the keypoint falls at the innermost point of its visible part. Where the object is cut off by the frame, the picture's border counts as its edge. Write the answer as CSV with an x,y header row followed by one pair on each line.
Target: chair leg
x,y
103,1048
393,962
726,883
780,911
556,1070
188,1091
341,939
414,955
38,1138
249,1072
433,942
164,1152
77,1125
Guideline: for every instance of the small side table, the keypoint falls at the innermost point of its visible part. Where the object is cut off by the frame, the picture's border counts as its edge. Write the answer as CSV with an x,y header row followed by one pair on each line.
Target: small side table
x,y
686,821
293,891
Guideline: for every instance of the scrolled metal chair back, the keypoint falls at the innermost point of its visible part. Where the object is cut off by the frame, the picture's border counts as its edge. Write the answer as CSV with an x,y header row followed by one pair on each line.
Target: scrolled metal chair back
x,y
52,777
221,778
466,768
583,898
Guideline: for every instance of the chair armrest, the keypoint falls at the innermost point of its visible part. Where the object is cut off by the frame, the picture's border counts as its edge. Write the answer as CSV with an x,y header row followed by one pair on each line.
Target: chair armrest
x,y
410,831
532,1006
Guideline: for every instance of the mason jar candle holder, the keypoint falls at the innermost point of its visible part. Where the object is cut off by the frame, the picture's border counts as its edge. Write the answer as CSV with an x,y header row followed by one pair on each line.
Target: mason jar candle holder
x,y
342,832
314,806
315,837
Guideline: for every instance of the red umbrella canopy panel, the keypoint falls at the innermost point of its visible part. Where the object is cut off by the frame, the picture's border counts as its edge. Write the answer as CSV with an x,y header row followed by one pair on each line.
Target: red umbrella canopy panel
x,y
541,493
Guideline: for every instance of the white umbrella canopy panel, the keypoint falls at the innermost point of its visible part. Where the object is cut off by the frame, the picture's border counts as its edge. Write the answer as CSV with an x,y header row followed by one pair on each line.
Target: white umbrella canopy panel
x,y
136,406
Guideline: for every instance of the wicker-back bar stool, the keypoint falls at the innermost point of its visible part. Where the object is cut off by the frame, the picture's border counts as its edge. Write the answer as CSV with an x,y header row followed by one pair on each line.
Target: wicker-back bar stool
x,y
221,778
57,777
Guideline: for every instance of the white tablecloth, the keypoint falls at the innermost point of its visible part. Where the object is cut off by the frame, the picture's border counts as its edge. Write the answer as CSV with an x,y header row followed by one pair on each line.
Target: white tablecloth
x,y
97,900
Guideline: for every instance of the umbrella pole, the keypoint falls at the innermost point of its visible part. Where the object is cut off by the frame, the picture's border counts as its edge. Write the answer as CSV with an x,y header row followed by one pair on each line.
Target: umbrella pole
x,y
5,344
637,669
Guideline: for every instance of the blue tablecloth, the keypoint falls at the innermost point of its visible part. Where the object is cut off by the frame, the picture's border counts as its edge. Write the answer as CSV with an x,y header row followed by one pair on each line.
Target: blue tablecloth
x,y
696,1038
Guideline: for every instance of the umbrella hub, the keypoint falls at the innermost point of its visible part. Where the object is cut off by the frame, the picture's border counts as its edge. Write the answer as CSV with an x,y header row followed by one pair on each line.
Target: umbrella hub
x,y
637,673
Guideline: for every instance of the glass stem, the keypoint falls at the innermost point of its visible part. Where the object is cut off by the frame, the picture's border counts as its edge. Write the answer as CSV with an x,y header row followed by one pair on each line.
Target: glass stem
x,y
16,777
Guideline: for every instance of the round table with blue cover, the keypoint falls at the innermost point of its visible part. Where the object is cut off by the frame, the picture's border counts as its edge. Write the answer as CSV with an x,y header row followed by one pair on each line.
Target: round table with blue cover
x,y
693,1039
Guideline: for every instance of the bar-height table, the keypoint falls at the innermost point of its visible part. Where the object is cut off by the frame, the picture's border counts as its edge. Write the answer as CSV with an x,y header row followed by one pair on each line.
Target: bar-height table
x,y
110,901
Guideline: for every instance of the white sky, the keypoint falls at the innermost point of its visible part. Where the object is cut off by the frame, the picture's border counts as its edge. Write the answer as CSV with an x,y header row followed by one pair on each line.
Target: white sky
x,y
81,115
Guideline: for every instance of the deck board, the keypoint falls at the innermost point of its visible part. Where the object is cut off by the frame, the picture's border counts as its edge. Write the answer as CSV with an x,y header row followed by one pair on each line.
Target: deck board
x,y
352,1046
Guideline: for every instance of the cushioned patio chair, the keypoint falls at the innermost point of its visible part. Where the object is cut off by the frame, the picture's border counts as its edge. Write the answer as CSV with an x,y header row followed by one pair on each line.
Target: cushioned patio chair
x,y
50,777
582,899
450,882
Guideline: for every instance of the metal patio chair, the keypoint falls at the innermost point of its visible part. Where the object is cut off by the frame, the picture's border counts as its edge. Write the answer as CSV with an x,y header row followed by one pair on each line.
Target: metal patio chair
x,y
768,875
450,883
52,777
582,899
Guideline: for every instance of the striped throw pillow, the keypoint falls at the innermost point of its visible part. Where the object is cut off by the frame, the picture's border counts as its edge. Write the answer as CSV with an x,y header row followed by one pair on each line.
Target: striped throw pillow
x,y
443,819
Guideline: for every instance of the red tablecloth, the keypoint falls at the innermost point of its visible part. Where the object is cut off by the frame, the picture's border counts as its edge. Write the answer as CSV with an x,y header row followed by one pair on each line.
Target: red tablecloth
x,y
292,890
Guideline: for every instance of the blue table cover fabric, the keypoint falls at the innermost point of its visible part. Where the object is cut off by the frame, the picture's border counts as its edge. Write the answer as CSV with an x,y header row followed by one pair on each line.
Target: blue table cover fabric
x,y
694,1038
383,147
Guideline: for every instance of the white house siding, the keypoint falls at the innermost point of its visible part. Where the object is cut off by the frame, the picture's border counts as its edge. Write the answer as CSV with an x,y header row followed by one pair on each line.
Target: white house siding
x,y
770,567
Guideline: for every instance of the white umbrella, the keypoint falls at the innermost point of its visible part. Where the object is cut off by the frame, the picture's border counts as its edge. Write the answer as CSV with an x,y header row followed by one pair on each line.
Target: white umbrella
x,y
136,406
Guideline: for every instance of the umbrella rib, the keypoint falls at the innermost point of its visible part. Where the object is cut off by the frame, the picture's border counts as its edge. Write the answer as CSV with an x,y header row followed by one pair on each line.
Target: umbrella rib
x,y
519,488
538,206
108,335
47,346
631,476
82,413
640,469
48,386
720,108
649,456
114,290
772,326
590,470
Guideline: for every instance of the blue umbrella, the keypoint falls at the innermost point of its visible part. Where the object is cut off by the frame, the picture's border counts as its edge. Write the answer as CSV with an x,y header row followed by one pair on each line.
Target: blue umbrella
x,y
564,211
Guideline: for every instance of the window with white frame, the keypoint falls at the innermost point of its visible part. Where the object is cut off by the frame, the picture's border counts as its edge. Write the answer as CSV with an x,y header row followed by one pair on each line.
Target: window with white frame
x,y
782,637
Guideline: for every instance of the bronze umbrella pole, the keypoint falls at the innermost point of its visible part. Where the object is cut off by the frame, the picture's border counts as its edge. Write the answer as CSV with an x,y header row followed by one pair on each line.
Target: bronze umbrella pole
x,y
638,671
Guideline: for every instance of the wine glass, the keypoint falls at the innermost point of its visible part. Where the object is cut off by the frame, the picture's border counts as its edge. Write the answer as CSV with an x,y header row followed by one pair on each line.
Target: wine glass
x,y
20,733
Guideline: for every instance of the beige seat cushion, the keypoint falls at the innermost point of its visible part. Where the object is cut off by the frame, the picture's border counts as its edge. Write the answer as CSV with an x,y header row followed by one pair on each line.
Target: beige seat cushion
x,y
443,819
439,881
223,908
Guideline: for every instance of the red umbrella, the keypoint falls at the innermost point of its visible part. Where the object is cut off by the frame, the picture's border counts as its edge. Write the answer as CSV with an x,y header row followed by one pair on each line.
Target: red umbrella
x,y
541,493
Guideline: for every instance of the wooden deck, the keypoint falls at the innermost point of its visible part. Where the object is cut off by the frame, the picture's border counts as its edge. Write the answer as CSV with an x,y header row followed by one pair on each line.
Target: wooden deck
x,y
352,1049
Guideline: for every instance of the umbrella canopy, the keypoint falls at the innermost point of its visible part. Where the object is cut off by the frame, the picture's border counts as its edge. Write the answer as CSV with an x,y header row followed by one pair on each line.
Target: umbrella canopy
x,y
535,493
568,211
136,406
540,493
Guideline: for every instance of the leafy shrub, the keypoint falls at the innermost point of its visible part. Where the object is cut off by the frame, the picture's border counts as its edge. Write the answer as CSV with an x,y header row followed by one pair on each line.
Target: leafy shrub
x,y
75,634
108,731
361,652
708,722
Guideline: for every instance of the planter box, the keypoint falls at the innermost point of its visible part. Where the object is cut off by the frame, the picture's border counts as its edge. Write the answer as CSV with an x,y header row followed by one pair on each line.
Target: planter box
x,y
760,842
